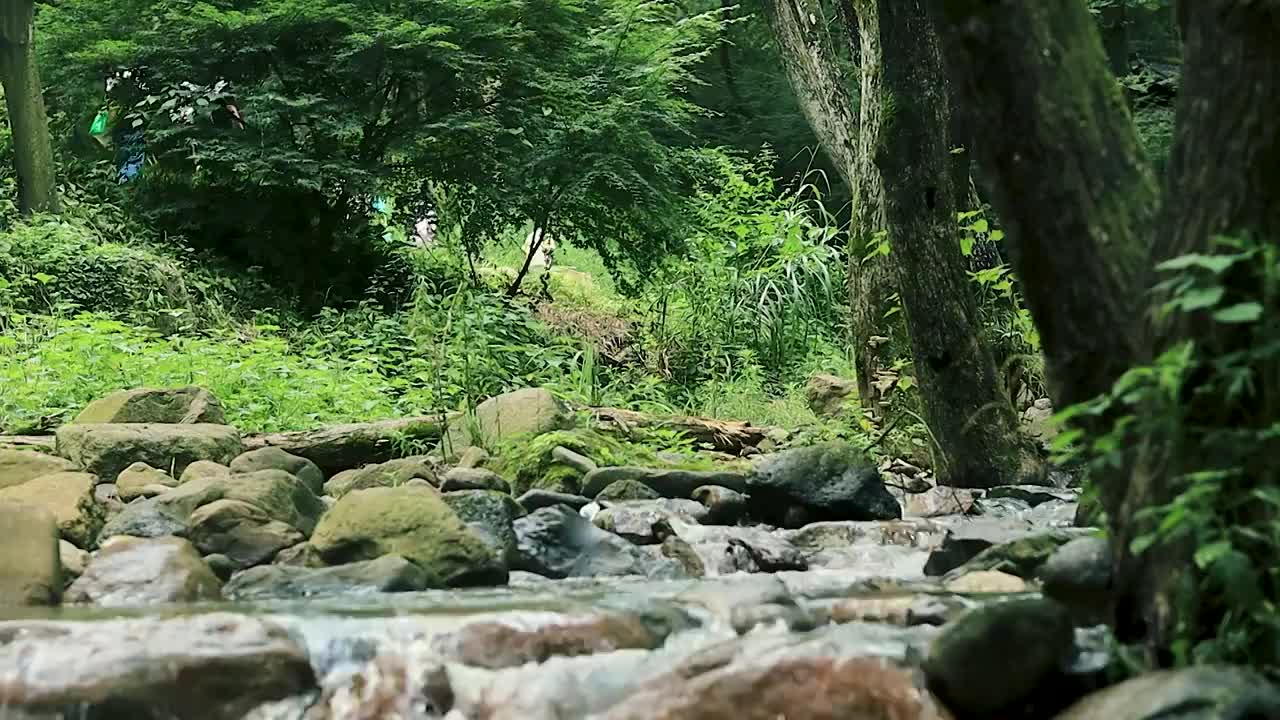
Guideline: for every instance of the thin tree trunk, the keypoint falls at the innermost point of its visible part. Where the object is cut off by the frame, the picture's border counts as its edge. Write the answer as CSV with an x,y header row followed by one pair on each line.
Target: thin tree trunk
x,y
32,148
809,55
977,434
1068,178
1115,36
878,337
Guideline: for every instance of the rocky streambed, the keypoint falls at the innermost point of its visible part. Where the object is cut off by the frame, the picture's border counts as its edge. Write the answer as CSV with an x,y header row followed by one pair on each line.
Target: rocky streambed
x,y
153,567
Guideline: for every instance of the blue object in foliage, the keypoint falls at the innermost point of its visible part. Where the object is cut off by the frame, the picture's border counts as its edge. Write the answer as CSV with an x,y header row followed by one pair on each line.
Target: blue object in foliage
x,y
132,156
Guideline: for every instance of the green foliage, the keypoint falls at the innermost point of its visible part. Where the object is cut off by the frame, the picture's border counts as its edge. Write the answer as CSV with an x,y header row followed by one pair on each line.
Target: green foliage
x,y
272,125
763,284
1207,418
52,367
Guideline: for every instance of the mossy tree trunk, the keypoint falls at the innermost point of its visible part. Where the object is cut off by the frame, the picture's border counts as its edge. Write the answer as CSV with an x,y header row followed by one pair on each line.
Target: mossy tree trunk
x,y
977,435
32,149
879,333
846,131
1085,228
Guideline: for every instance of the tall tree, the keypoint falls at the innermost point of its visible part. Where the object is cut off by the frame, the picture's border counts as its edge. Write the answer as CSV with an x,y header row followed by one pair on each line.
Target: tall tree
x,y
32,150
971,420
808,39
1085,230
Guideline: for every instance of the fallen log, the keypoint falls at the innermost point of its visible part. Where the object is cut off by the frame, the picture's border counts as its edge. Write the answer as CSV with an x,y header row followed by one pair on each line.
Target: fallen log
x,y
723,435
352,445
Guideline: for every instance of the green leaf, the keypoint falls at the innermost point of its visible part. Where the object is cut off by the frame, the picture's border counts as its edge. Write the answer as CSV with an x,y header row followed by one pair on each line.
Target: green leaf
x,y
1241,313
1209,554
1216,264
981,225
966,246
42,278
1201,298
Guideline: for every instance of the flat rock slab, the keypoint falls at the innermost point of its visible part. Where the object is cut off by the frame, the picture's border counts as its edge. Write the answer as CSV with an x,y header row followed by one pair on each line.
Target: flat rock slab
x,y
389,573
666,482
107,449
211,667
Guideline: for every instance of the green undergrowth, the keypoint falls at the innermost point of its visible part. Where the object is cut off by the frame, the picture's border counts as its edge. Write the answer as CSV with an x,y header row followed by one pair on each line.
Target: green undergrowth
x,y
50,368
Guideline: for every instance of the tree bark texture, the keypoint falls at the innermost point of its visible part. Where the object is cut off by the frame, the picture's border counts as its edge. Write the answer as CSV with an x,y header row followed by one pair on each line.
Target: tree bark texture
x,y
878,337
1086,229
807,43
32,148
971,421
1224,173
1068,177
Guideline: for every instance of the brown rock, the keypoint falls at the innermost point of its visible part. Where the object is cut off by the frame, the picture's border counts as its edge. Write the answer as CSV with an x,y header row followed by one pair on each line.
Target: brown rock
x,y
499,644
937,501
811,688
30,572
19,466
69,496
987,581
74,560
137,480
244,533
895,610
184,405
132,571
202,469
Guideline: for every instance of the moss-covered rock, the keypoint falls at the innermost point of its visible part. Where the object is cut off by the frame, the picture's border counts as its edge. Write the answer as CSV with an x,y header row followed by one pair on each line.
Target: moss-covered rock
x,y
107,449
995,656
69,496
412,521
19,466
490,514
1023,556
187,405
273,458
529,412
388,474
627,490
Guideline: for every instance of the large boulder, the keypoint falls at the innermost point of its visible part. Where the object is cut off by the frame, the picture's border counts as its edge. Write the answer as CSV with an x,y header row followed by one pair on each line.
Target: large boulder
x,y
414,522
1023,556
531,411
622,490
272,458
556,542
829,481
142,480
389,573
490,514
69,496
827,394
107,449
19,466
214,666
185,405
993,657
388,474
639,521
131,572
30,565
1196,693
242,532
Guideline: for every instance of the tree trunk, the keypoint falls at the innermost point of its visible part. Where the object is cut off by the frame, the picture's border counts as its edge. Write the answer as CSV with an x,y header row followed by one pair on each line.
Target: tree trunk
x,y
805,40
1224,172
1068,178
879,338
32,149
1115,36
971,421
1081,208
